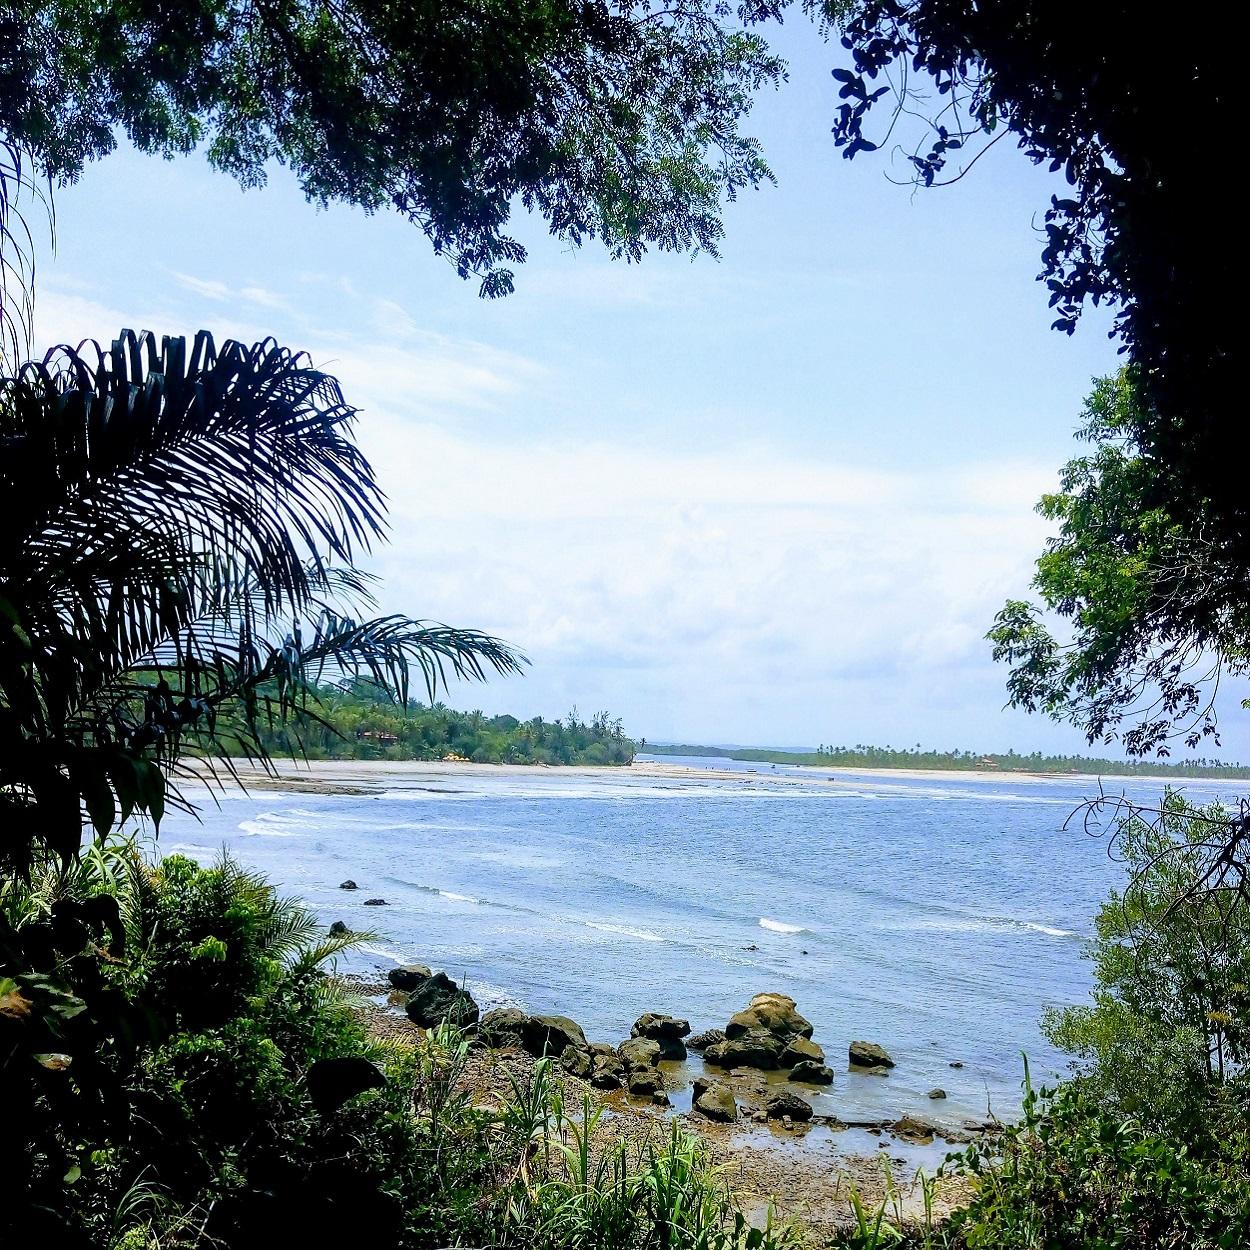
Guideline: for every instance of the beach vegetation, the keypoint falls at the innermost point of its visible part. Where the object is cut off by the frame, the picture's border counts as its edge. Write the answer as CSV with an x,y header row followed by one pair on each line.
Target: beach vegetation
x,y
253,1100
357,721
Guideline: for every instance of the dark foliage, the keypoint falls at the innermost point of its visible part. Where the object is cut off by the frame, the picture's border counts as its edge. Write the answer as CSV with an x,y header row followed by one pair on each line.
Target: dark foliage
x,y
1137,114
612,122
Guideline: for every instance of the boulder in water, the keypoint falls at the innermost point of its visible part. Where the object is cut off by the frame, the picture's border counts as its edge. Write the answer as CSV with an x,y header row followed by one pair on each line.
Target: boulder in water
x,y
349,884
639,1053
937,1093
771,1013
913,1129
755,1049
644,1082
811,1073
701,1041
437,999
801,1050
667,1030
409,977
376,902
869,1055
339,929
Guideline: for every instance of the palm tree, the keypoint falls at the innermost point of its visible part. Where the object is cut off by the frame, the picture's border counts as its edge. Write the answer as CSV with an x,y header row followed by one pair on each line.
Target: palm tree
x,y
178,571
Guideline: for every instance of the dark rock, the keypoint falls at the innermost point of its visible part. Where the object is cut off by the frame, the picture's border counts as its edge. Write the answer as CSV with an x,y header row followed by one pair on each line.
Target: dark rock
x,y
607,1073
376,902
786,1104
914,1129
937,1093
577,1062
701,1041
750,947
349,884
339,929
715,1102
502,1027
408,977
661,1099
638,1053
438,999
801,1050
811,1073
549,1035
644,1082
756,1049
770,1013
667,1030
869,1055
957,1063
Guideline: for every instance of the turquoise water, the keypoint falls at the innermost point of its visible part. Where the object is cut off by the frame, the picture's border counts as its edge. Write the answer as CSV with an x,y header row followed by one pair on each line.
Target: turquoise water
x,y
936,916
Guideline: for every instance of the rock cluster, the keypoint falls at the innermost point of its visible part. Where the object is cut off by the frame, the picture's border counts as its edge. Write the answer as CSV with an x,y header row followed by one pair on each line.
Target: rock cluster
x,y
770,1034
668,1031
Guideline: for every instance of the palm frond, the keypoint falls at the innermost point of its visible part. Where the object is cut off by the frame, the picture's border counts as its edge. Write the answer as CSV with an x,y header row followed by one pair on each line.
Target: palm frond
x,y
177,570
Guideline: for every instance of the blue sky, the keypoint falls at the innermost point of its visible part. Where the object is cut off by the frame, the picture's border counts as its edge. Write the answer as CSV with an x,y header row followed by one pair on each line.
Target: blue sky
x,y
775,498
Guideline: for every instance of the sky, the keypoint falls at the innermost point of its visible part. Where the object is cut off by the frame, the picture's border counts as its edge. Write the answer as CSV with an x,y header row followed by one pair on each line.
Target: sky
x,y
770,499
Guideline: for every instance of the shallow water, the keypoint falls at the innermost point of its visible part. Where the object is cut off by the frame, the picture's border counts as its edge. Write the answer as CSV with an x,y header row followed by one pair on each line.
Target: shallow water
x,y
937,916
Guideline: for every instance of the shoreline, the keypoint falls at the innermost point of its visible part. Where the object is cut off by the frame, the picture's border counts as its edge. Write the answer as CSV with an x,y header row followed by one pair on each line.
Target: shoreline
x,y
368,776
801,1171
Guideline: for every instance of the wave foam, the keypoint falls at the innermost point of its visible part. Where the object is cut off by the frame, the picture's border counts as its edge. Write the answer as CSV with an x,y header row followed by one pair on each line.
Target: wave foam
x,y
777,926
643,935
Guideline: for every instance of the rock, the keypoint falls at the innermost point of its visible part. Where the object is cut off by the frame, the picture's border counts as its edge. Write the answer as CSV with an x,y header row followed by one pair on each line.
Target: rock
x,y
770,1013
812,1073
331,1082
750,947
667,1030
801,1050
869,1055
715,1102
784,1104
606,1073
376,902
644,1082
639,1053
937,1093
549,1035
913,1129
957,1063
339,929
438,999
349,884
501,1027
701,1041
756,1049
408,977
577,1062
661,1099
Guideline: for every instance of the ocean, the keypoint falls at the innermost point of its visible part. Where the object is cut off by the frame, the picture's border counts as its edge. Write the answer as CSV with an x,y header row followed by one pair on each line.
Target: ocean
x,y
935,915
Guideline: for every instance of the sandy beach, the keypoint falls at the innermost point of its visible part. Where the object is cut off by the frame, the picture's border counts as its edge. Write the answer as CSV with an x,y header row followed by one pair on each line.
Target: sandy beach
x,y
372,776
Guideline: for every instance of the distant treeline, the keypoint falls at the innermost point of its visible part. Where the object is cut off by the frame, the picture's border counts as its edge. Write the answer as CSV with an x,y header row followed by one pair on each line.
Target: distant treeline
x,y
361,726
914,757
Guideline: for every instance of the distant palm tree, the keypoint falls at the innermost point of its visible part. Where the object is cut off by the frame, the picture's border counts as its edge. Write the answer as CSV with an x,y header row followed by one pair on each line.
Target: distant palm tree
x,y
177,570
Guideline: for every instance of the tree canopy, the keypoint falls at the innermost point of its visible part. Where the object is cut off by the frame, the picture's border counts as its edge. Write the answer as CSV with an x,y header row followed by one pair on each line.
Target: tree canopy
x,y
1136,112
1158,608
620,122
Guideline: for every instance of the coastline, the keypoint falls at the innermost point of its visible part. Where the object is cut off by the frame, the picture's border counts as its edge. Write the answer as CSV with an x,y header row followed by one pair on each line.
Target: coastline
x,y
371,776
803,1172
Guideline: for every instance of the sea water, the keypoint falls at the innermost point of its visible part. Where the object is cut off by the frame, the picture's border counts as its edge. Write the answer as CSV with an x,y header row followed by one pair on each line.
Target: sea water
x,y
937,916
